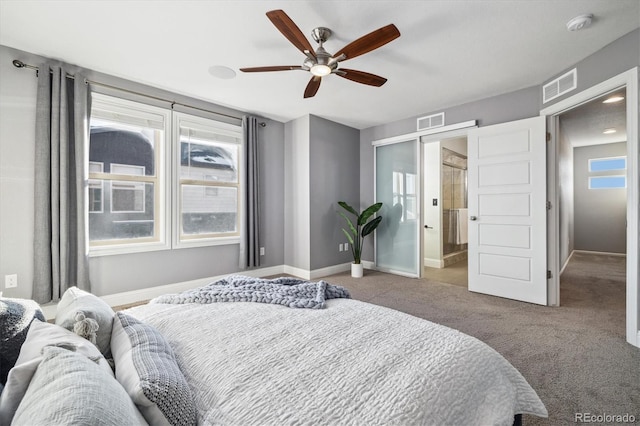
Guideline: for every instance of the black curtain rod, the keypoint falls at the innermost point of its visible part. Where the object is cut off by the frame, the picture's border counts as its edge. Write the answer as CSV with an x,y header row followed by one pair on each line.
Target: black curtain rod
x,y
19,64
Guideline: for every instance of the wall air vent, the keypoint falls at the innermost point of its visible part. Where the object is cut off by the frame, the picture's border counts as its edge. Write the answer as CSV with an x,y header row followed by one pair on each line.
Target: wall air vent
x,y
431,121
561,85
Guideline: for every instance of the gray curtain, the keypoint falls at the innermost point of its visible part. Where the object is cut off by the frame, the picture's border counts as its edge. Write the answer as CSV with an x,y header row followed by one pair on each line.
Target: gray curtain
x,y
61,163
250,239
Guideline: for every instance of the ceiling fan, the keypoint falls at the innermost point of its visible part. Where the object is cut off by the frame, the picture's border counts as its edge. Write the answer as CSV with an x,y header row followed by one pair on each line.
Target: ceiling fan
x,y
319,62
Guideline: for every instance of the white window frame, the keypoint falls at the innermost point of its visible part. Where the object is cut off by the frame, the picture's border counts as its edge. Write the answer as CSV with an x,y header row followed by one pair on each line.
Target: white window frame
x,y
205,124
109,107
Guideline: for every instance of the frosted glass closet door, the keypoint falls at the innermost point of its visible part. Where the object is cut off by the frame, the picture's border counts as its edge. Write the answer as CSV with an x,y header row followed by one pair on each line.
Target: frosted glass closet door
x,y
398,188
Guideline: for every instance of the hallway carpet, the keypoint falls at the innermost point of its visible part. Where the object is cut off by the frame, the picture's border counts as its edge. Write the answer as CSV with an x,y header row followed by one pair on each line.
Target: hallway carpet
x,y
575,356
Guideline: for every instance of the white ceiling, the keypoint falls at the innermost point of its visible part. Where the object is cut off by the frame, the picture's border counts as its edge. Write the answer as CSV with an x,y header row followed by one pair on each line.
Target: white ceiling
x,y
450,52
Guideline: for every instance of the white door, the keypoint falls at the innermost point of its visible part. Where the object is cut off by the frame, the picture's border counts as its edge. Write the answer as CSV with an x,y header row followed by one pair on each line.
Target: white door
x,y
507,210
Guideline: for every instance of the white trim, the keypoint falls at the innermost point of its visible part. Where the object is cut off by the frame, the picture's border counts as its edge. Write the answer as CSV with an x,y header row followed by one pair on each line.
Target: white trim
x,y
566,263
433,263
437,137
630,80
417,135
604,253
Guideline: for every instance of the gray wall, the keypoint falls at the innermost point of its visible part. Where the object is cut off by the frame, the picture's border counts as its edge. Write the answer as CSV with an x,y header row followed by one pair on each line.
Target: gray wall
x,y
113,274
296,194
600,214
333,176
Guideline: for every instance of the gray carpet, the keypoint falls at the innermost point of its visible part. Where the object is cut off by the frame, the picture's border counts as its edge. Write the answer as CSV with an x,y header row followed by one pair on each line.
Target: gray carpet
x,y
575,356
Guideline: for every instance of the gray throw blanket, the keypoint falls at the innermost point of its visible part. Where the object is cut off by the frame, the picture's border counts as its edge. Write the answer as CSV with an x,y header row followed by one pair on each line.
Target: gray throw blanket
x,y
287,291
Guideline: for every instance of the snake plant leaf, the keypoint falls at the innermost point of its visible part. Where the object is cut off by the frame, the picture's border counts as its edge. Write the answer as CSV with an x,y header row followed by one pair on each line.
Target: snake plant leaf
x,y
370,211
371,226
348,208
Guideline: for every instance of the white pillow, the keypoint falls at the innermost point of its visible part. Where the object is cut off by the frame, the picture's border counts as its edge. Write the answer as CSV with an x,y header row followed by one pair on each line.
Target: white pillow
x,y
75,300
41,334
69,388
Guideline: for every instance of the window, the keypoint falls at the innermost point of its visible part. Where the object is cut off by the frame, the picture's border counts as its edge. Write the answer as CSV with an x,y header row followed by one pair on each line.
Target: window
x,y
208,180
607,164
601,173
136,203
127,176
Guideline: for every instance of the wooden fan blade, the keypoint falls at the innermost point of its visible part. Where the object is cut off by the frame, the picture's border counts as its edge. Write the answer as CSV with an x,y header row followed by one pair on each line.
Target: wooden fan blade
x,y
362,77
312,87
290,30
369,42
274,68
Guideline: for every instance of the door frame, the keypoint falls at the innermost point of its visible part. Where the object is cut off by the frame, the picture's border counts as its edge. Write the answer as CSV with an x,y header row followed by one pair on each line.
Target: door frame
x,y
628,79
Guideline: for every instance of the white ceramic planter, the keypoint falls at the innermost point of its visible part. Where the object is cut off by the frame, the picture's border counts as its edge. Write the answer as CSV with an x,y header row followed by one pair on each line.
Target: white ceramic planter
x,y
356,270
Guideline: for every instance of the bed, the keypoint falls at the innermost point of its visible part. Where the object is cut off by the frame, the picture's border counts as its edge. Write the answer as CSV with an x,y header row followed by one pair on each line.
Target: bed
x,y
349,362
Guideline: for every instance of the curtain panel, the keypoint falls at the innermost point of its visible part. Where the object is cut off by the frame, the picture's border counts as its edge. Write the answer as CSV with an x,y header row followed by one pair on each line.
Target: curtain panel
x,y
250,238
61,163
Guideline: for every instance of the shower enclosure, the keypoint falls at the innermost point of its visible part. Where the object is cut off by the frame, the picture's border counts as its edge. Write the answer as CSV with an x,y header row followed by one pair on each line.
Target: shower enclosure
x,y
454,202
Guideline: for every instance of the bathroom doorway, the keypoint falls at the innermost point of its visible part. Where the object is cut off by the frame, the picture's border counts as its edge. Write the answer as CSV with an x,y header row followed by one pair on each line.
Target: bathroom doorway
x,y
446,214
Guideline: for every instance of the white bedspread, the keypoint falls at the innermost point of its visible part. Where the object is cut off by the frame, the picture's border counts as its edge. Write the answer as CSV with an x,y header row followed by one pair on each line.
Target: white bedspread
x,y
350,364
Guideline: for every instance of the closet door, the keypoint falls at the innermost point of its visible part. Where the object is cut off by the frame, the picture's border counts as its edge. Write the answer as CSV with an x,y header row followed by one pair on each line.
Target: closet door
x,y
397,182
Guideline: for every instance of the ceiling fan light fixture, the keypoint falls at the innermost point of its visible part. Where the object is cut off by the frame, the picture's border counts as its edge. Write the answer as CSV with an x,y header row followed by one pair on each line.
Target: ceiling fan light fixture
x,y
609,131
613,99
320,70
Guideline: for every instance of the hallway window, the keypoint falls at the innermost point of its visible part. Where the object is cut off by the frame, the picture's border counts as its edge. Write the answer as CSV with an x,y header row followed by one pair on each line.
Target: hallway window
x,y
603,180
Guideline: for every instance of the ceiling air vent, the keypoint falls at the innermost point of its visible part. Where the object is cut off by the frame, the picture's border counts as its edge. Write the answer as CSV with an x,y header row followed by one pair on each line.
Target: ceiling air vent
x,y
561,85
431,121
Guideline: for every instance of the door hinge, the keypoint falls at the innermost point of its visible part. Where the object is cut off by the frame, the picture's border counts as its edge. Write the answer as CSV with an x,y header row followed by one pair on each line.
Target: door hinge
x,y
549,275
548,137
548,205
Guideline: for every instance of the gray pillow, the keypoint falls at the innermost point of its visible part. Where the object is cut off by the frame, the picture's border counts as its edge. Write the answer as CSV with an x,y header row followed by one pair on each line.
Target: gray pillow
x,y
41,335
147,368
68,388
16,316
75,301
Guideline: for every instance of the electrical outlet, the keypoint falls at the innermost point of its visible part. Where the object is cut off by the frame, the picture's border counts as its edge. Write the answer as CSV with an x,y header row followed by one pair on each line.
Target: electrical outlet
x,y
340,247
261,251
11,281
346,246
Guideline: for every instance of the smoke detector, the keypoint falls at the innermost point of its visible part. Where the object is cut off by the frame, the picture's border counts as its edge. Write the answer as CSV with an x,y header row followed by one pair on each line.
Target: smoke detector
x,y
580,22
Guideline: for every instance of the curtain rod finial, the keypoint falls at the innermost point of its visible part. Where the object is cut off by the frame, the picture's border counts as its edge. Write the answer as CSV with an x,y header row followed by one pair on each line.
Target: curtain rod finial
x,y
18,63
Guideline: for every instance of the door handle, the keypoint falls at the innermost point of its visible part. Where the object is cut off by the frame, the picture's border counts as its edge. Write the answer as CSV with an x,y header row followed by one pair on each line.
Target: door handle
x,y
473,218
428,227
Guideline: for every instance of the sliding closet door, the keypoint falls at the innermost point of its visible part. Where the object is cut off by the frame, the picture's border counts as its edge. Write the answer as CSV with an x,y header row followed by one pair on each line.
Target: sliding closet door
x,y
397,183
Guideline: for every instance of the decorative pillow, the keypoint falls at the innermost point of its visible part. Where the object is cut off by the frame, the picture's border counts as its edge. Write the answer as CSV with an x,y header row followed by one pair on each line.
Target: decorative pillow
x,y
147,368
81,312
69,388
41,334
16,316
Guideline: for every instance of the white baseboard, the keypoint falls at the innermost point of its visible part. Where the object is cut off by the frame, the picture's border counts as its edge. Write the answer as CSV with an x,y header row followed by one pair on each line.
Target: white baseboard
x,y
606,253
126,297
433,263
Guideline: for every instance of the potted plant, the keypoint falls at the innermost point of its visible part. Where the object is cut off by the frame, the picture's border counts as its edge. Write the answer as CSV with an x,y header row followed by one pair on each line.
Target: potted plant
x,y
359,230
